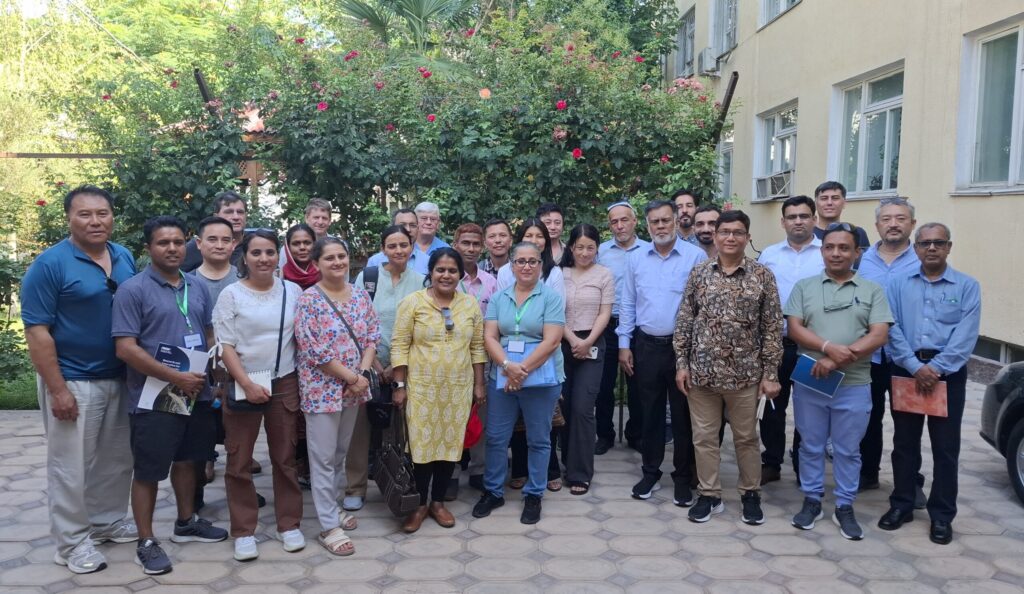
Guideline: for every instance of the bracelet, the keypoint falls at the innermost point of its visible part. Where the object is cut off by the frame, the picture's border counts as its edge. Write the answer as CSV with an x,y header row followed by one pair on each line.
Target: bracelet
x,y
824,345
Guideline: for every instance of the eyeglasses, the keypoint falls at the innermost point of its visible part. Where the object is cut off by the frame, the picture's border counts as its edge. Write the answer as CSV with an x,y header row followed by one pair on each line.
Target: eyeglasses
x,y
932,243
841,227
798,217
523,262
738,234
449,323
111,285
830,307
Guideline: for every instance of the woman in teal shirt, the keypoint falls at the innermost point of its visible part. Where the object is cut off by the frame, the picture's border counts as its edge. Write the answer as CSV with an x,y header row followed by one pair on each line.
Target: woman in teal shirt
x,y
522,333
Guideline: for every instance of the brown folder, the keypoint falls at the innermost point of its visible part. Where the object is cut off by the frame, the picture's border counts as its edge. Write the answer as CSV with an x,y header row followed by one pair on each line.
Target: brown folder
x,y
906,398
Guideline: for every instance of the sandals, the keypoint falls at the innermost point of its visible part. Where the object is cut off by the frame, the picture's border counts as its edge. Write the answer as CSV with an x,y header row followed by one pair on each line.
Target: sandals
x,y
517,483
555,485
347,520
337,542
579,488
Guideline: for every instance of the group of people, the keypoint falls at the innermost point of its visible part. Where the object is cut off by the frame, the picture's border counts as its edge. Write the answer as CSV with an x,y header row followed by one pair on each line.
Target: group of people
x,y
517,328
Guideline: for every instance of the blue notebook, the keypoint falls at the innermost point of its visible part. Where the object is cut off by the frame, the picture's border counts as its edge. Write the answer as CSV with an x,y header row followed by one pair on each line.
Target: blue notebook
x,y
802,375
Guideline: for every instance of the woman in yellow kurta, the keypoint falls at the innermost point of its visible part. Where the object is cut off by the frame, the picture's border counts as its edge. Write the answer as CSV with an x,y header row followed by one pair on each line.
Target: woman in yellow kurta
x,y
437,351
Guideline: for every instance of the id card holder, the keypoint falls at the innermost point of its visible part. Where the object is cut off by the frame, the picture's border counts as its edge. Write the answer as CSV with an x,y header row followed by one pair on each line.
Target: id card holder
x,y
193,340
516,346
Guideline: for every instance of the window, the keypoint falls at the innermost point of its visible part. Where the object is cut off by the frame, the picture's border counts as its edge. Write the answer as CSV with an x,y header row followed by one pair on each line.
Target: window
x,y
724,25
999,122
872,122
776,153
725,166
773,8
684,51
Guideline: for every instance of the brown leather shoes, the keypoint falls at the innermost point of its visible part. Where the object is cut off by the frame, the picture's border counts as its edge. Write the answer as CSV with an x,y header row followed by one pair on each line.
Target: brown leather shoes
x,y
441,514
414,520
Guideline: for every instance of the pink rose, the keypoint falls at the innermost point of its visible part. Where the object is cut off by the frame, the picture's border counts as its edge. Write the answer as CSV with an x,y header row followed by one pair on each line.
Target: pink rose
x,y
577,153
561,105
431,118
322,106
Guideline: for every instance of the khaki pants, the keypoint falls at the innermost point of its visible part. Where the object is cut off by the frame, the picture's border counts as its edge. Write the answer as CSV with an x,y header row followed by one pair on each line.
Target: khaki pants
x,y
706,420
357,461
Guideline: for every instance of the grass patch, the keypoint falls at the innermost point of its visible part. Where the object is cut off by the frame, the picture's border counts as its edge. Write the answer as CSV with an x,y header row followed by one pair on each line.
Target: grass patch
x,y
19,393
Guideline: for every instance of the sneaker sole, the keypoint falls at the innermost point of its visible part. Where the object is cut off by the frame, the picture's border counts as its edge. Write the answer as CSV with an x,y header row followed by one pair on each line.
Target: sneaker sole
x,y
844,534
647,495
752,522
151,571
74,569
180,539
684,503
116,540
247,556
715,509
290,548
811,525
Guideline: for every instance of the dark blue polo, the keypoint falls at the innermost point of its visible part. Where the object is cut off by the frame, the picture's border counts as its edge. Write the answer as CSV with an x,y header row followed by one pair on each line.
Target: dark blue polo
x,y
146,308
68,292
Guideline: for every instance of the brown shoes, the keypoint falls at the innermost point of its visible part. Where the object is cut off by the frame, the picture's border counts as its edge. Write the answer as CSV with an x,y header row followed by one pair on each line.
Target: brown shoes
x,y
440,513
414,520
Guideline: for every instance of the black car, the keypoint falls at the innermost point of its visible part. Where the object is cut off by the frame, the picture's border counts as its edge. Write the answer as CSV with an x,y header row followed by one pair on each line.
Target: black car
x,y
1002,421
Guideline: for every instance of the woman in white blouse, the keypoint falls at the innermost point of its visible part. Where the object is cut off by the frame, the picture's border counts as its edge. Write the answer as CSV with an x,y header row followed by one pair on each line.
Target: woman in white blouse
x,y
254,321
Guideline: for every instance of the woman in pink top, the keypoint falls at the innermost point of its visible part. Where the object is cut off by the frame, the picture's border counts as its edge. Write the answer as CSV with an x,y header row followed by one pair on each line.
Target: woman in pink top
x,y
589,294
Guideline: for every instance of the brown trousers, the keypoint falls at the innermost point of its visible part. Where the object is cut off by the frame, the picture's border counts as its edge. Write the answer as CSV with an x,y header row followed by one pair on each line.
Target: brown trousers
x,y
241,429
706,420
357,460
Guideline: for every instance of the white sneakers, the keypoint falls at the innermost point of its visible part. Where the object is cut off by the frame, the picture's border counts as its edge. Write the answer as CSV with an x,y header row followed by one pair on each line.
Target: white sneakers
x,y
121,532
245,546
84,558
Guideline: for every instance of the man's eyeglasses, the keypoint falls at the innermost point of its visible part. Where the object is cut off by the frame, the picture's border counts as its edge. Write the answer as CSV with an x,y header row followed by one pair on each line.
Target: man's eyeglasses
x,y
737,233
111,285
449,323
932,243
830,307
798,217
523,262
841,227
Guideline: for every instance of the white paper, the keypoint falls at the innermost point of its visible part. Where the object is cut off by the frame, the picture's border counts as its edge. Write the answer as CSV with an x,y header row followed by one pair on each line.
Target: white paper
x,y
260,378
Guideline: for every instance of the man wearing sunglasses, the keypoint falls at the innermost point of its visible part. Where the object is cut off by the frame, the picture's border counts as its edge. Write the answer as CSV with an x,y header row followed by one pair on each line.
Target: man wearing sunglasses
x,y
837,318
938,312
66,299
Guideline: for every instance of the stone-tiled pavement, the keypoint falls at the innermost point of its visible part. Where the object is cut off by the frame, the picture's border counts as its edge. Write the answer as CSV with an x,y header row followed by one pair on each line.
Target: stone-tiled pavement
x,y
603,542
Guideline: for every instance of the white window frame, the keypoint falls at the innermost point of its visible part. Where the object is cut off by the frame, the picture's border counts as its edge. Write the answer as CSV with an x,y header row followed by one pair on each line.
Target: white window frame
x,y
773,9
866,109
686,45
725,149
762,141
967,128
724,27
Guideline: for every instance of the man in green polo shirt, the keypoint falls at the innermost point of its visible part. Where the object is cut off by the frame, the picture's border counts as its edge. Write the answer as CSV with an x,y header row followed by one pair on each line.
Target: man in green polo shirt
x,y
838,319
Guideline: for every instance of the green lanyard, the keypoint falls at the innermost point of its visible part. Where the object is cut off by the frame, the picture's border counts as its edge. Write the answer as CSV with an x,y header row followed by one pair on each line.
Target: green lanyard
x,y
183,301
522,310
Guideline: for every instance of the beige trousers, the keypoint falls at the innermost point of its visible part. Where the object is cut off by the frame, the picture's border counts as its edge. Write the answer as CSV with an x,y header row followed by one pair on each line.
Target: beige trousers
x,y
706,407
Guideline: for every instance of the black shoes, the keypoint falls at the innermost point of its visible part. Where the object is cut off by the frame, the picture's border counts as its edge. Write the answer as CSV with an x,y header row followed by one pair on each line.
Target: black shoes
x,y
770,474
477,482
941,532
601,446
706,506
531,509
486,505
894,518
868,483
646,487
752,514
683,496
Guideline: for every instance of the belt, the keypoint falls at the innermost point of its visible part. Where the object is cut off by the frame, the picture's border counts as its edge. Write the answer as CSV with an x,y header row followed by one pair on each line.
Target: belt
x,y
653,339
788,342
926,355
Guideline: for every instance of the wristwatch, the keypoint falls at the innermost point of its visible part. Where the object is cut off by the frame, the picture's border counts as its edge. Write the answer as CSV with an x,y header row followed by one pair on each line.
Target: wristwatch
x,y
397,385
504,364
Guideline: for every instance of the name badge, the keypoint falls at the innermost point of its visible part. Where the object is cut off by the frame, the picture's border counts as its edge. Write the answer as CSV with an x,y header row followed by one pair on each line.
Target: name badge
x,y
193,340
516,346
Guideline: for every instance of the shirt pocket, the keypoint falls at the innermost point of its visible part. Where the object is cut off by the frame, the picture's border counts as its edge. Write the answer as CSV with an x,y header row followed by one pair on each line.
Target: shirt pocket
x,y
948,312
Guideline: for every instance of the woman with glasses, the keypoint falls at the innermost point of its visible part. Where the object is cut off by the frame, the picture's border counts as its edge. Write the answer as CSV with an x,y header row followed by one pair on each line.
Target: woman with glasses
x,y
395,280
590,293
254,321
336,331
437,351
522,330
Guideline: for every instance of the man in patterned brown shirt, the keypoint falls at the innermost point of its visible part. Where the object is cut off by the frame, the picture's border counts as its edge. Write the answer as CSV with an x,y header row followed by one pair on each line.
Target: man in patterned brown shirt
x,y
728,344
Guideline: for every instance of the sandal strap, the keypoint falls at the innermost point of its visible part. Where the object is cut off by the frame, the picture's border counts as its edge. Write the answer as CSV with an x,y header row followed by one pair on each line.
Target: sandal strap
x,y
336,536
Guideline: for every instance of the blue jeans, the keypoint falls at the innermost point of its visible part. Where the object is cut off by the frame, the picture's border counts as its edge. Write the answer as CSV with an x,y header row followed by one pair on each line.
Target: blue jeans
x,y
844,418
538,405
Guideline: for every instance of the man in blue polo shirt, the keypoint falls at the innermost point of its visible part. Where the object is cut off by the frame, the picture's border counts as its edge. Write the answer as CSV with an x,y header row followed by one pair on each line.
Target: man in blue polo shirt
x,y
162,304
65,304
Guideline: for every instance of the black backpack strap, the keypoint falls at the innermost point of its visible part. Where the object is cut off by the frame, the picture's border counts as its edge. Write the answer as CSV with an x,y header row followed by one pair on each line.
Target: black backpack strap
x,y
370,276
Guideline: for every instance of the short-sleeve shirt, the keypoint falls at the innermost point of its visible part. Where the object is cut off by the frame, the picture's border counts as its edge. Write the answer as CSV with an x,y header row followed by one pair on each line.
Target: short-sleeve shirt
x,y
146,308
68,292
585,292
250,321
216,286
840,313
544,306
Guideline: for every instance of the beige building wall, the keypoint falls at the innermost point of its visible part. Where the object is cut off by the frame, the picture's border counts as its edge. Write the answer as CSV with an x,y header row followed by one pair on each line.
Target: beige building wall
x,y
806,53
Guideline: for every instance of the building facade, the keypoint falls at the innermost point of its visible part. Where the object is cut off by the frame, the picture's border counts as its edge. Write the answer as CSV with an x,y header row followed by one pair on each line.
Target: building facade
x,y
918,98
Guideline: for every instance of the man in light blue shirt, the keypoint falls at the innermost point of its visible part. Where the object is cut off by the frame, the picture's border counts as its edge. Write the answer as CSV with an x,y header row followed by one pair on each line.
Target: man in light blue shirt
x,y
938,312
612,254
653,285
892,257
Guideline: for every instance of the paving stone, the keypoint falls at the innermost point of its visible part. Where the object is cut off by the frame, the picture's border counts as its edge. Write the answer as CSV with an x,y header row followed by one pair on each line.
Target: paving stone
x,y
649,587
980,587
791,545
994,545
495,546
504,588
568,587
714,545
901,587
919,545
574,545
635,526
731,567
36,574
642,568
427,569
813,586
23,532
955,567
274,572
419,588
869,547
878,568
349,570
12,550
803,566
626,509
1012,565
579,569
443,546
570,525
502,569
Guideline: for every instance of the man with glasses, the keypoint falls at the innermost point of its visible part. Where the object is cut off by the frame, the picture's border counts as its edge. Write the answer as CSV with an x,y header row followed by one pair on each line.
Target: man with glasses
x,y
426,241
705,221
830,198
230,206
938,313
66,299
612,254
405,218
793,259
653,286
892,257
728,349
838,319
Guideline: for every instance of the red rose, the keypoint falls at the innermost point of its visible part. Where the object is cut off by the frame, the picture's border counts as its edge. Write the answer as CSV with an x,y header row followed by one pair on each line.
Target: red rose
x,y
378,85
174,84
421,69
616,54
638,59
427,74
40,202
570,48
561,105
389,128
106,97
431,118
664,159
322,106
470,32
300,40
577,153
702,98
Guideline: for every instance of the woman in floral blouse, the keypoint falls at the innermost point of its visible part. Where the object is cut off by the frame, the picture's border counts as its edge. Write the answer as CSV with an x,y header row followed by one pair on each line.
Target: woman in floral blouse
x,y
331,384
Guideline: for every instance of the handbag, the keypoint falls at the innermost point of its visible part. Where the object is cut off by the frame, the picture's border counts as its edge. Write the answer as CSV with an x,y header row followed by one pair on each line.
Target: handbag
x,y
379,413
394,475
371,374
245,405
474,428
542,377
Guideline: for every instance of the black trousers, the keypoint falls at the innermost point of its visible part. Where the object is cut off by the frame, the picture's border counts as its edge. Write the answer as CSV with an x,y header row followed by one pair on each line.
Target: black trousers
x,y
605,410
773,422
655,370
871,443
944,434
432,479
520,455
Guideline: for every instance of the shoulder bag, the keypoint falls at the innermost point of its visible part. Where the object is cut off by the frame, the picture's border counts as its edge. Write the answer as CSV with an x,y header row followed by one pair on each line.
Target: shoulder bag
x,y
371,374
394,475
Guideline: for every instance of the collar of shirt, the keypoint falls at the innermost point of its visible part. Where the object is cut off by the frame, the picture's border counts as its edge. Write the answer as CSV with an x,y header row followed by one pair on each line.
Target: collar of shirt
x,y
948,275
855,279
511,291
611,244
115,255
744,265
814,243
677,249
873,255
160,280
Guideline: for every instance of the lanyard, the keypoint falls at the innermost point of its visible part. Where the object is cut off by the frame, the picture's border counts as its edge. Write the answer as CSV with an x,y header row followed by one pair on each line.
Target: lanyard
x,y
183,301
466,290
522,310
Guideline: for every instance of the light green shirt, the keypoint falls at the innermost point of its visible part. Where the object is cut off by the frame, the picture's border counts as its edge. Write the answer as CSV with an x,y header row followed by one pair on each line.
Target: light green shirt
x,y
385,303
840,314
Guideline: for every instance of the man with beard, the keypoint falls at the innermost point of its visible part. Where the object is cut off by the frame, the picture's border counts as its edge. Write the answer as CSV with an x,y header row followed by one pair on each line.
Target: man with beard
x,y
686,202
704,222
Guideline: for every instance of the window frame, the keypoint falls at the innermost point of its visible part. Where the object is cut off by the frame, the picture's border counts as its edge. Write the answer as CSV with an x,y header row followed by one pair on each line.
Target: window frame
x,y
687,34
726,148
765,142
765,17
722,26
866,109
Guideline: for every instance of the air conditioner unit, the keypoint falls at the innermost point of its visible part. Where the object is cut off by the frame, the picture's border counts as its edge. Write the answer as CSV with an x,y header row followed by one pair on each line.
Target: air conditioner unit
x,y
707,62
774,186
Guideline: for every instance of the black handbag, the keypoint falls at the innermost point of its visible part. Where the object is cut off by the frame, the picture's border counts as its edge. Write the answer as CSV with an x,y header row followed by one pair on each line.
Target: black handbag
x,y
245,405
394,475
371,375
